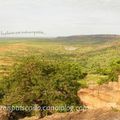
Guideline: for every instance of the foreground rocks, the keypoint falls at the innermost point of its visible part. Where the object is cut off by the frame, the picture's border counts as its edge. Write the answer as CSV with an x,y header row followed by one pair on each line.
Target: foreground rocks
x,y
88,115
98,114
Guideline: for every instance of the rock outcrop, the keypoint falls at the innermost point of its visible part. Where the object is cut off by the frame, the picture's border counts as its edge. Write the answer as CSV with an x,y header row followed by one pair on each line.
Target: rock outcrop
x,y
98,114
103,96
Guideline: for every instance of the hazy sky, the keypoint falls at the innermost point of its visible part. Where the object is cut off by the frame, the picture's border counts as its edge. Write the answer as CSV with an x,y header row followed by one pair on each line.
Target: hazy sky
x,y
61,17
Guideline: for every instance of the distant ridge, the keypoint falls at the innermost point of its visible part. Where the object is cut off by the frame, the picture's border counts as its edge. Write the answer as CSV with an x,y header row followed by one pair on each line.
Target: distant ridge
x,y
100,38
95,35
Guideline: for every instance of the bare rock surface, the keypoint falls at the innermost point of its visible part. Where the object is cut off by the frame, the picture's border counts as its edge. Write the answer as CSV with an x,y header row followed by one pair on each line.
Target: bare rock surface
x,y
104,96
88,115
98,114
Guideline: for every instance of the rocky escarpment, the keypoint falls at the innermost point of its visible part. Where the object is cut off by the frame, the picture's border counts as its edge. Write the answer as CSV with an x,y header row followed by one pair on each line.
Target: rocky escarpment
x,y
104,96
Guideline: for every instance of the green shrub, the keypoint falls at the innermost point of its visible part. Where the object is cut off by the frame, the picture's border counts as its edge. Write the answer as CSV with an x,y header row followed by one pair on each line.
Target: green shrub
x,y
43,82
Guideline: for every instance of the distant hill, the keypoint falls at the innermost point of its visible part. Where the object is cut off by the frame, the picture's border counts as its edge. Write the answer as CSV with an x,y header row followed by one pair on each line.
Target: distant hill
x,y
75,39
89,38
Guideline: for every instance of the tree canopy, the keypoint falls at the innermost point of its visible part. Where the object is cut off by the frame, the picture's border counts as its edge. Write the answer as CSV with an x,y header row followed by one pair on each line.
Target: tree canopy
x,y
43,82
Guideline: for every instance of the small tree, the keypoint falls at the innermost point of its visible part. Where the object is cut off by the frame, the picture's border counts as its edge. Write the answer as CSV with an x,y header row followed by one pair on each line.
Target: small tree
x,y
115,70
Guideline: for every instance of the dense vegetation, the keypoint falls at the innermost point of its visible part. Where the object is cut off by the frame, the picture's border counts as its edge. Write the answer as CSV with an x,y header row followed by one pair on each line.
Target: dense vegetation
x,y
59,68
36,81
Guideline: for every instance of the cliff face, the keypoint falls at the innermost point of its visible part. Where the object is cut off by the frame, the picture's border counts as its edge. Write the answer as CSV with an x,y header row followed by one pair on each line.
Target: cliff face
x,y
104,96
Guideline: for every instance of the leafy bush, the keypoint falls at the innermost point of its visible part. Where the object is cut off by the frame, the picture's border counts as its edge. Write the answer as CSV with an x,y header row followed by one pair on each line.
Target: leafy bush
x,y
43,82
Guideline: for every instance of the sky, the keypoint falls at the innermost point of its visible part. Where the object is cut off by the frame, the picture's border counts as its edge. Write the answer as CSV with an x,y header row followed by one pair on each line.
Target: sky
x,y
61,17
